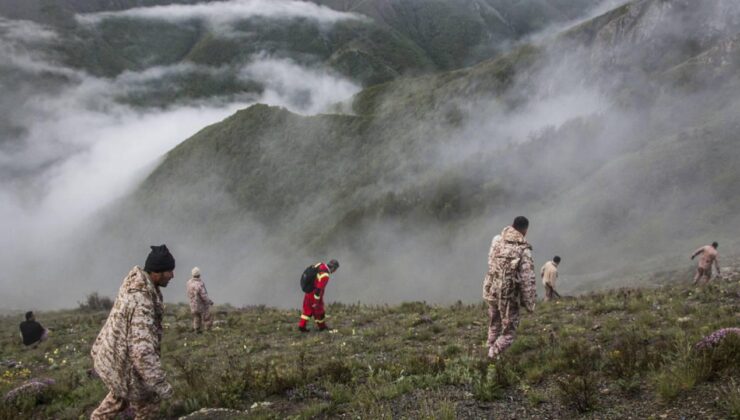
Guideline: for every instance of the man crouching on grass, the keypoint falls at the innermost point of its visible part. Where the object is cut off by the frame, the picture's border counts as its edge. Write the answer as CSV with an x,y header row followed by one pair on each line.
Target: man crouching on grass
x,y
126,353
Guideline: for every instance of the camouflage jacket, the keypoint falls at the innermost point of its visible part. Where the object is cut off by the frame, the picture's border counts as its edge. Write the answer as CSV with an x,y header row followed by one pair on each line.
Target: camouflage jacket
x,y
126,353
511,275
199,300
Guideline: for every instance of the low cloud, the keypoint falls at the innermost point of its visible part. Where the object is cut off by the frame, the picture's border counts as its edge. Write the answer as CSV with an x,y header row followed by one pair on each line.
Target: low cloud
x,y
223,13
83,150
73,149
302,89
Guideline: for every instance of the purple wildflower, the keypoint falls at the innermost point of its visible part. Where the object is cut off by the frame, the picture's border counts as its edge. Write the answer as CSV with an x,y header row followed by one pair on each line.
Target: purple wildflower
x,y
713,339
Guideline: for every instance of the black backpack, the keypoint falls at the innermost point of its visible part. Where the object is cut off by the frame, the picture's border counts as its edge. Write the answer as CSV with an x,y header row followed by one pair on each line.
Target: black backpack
x,y
309,275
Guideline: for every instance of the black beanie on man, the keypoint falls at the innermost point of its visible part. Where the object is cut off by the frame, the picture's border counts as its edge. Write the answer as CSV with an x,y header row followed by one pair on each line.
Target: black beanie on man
x,y
159,260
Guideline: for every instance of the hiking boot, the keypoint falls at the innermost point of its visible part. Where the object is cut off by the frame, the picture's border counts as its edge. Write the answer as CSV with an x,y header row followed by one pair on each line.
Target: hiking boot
x,y
303,329
324,327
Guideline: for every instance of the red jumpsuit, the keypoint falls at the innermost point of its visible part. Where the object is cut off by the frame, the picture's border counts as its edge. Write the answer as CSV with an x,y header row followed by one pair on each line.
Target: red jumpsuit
x,y
313,302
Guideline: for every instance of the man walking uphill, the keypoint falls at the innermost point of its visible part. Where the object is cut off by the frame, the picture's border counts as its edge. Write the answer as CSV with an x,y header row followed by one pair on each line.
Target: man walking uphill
x,y
549,274
314,281
126,353
509,284
709,256
200,303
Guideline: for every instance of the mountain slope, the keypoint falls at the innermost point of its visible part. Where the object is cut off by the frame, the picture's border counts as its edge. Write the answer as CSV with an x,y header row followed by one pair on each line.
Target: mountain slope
x,y
640,163
403,37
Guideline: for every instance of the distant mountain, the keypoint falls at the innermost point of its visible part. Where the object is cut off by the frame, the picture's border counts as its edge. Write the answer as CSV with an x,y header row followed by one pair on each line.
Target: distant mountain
x,y
403,37
650,173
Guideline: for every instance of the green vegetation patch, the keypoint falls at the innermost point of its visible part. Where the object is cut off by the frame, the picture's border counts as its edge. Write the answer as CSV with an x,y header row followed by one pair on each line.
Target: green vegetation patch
x,y
255,356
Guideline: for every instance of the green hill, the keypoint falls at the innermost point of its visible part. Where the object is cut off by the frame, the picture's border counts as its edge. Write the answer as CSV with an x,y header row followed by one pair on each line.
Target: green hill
x,y
648,177
611,355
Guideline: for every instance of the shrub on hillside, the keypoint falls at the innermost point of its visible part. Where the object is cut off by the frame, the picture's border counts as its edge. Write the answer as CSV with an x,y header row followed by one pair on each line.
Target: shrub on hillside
x,y
95,302
630,355
578,391
730,399
693,365
578,387
723,358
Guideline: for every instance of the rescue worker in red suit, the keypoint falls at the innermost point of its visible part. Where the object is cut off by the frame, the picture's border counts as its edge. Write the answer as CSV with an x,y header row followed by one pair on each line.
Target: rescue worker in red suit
x,y
313,302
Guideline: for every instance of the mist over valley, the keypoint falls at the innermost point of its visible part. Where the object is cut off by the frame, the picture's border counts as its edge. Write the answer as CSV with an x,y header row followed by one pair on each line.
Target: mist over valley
x,y
256,137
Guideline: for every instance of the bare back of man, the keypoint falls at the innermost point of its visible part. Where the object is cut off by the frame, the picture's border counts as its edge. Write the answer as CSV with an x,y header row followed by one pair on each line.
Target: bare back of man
x,y
708,256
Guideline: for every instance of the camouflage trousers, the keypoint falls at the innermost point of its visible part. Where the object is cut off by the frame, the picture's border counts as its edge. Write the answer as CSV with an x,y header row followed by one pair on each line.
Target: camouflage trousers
x,y
202,319
112,405
501,326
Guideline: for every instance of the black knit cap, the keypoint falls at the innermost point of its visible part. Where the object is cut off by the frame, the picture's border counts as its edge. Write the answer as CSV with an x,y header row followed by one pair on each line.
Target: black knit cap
x,y
159,260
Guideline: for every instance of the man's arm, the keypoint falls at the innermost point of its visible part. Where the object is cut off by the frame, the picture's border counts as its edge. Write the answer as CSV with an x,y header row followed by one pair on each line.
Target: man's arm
x,y
321,280
491,257
527,277
716,264
142,348
204,295
697,252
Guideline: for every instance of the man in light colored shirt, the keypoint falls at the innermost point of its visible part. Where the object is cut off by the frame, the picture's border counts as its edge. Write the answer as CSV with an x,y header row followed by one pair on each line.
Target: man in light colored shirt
x,y
549,274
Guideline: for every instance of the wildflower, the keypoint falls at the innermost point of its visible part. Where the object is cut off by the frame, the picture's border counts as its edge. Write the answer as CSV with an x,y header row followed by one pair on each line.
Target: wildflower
x,y
713,339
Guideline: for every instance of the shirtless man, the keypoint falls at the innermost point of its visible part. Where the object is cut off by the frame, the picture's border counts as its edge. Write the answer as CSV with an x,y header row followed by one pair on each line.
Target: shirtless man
x,y
709,256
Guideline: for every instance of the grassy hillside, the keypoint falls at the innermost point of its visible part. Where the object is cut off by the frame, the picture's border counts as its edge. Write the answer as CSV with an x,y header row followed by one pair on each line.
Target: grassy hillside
x,y
615,354
467,31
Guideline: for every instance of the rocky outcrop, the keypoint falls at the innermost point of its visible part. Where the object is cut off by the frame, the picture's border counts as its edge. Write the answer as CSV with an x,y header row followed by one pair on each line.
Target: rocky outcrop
x,y
33,388
657,34
215,414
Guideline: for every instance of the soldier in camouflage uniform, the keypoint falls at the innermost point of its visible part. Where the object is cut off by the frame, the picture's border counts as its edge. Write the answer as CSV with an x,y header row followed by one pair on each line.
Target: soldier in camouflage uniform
x,y
509,284
200,303
126,354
